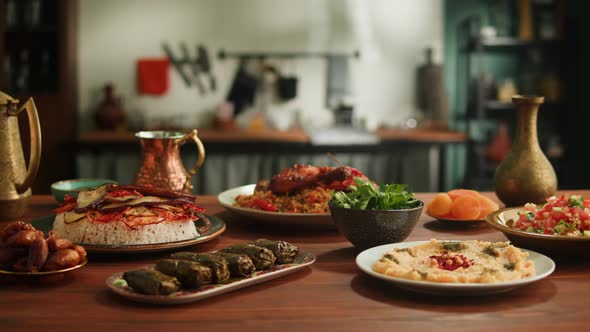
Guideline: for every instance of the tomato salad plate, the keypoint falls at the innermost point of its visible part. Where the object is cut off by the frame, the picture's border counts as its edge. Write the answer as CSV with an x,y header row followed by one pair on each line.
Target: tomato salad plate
x,y
228,200
119,285
559,228
543,266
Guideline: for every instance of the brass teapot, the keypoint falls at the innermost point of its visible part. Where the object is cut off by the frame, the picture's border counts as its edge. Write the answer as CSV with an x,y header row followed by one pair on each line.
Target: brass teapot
x,y
15,178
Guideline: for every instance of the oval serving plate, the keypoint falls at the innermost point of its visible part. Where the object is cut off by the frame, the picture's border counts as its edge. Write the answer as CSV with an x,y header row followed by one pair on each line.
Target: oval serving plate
x,y
455,220
42,273
118,285
544,266
554,245
213,230
228,198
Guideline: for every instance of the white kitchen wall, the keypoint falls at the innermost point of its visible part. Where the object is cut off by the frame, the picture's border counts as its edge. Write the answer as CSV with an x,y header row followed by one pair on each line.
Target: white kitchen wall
x,y
390,34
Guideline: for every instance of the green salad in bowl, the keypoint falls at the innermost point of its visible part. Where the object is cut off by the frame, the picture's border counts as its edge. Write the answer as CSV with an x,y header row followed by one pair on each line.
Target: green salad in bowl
x,y
366,196
369,215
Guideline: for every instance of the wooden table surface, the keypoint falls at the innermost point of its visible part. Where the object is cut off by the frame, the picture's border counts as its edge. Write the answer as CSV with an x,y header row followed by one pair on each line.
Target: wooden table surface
x,y
331,295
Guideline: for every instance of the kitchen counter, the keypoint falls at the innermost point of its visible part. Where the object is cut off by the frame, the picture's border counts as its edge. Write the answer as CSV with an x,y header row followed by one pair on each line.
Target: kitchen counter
x,y
238,157
385,135
330,295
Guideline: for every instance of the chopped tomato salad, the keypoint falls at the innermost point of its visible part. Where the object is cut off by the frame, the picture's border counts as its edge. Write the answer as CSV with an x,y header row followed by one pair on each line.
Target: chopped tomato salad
x,y
565,215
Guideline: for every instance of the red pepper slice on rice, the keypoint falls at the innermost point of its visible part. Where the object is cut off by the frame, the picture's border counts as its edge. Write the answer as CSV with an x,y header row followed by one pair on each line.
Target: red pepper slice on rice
x,y
264,205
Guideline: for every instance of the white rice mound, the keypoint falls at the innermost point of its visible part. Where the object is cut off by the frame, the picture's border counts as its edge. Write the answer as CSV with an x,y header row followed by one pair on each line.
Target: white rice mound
x,y
117,233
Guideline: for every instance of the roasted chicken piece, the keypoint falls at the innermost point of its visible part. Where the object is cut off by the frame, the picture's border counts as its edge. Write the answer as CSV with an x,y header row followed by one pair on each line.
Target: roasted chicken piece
x,y
301,176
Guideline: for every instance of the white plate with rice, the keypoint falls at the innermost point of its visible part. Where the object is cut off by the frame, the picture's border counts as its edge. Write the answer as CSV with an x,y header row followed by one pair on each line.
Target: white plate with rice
x,y
206,231
228,198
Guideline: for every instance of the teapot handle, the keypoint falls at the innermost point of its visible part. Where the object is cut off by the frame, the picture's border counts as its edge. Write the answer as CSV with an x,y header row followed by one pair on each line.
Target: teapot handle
x,y
188,187
35,153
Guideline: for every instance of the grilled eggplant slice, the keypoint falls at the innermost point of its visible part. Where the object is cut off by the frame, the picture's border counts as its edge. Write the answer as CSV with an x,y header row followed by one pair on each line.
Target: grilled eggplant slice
x,y
239,265
151,282
218,265
190,274
285,252
261,257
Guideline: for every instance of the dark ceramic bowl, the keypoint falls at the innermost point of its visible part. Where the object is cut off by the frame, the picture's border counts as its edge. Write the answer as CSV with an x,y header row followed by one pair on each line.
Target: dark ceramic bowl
x,y
370,228
75,186
555,246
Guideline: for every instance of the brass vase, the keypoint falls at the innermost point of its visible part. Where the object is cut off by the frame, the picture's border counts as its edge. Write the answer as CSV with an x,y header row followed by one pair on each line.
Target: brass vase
x,y
525,175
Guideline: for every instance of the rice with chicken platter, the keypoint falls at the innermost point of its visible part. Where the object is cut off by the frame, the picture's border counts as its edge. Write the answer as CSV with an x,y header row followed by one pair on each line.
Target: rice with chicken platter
x,y
300,189
310,200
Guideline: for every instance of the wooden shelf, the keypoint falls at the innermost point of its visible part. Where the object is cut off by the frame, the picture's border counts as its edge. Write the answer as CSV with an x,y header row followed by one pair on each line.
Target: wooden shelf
x,y
494,105
510,43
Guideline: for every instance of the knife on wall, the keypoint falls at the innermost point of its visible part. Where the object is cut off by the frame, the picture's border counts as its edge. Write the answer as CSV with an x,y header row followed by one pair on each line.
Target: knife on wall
x,y
177,64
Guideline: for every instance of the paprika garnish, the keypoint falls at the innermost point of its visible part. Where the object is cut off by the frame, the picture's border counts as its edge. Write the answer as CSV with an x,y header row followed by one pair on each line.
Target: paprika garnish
x,y
264,205
452,262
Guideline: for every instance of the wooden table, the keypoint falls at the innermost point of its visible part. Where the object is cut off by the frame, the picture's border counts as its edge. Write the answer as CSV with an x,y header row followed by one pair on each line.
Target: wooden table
x,y
331,295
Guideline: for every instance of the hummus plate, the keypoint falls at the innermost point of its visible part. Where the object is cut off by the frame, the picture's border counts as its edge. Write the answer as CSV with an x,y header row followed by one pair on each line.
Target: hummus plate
x,y
544,266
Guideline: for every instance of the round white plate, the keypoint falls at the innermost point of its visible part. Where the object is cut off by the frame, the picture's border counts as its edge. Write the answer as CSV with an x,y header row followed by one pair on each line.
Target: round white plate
x,y
544,266
228,198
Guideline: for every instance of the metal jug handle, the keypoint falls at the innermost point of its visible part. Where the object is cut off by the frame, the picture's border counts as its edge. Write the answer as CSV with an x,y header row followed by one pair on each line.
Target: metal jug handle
x,y
188,187
35,153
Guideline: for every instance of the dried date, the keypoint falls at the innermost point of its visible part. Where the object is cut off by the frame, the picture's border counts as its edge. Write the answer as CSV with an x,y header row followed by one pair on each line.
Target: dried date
x,y
38,253
61,259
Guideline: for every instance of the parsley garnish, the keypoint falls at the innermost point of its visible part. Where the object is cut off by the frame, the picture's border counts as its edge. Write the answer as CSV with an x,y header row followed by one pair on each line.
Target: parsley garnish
x,y
510,266
453,246
365,196
576,201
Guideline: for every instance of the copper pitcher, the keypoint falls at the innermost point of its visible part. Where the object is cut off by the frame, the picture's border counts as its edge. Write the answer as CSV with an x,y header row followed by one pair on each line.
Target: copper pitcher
x,y
161,165
15,178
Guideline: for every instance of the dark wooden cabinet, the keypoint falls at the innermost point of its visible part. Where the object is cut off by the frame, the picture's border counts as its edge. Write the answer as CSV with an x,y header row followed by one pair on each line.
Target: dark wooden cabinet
x,y
515,59
38,53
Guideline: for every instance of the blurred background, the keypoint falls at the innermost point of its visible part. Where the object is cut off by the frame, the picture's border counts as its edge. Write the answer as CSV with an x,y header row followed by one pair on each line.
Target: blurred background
x,y
414,92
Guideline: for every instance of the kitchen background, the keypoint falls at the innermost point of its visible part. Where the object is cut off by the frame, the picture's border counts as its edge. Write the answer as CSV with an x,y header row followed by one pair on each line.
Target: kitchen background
x,y
93,43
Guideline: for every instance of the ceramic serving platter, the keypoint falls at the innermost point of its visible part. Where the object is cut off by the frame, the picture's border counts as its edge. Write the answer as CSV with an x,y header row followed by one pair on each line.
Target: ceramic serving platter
x,y
228,198
207,231
118,285
544,266
455,220
42,273
556,246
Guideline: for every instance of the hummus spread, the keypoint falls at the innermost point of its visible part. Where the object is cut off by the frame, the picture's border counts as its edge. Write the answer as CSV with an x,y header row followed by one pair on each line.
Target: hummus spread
x,y
457,262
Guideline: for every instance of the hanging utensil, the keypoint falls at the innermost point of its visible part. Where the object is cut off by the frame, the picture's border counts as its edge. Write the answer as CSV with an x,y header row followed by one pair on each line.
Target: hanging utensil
x,y
194,66
177,63
205,64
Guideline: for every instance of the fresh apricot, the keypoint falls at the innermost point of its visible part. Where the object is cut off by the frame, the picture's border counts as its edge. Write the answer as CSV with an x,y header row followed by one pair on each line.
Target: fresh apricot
x,y
465,207
462,192
486,206
440,205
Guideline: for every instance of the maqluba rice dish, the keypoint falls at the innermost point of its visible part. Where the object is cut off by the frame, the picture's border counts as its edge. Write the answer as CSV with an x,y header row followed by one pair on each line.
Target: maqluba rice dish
x,y
457,262
127,215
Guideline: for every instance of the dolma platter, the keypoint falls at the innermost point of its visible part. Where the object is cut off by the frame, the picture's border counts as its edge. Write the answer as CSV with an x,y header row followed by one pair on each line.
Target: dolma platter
x,y
544,266
228,198
207,231
118,285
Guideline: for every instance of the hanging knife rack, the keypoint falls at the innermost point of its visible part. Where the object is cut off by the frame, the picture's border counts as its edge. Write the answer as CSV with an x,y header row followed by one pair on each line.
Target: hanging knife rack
x,y
198,65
